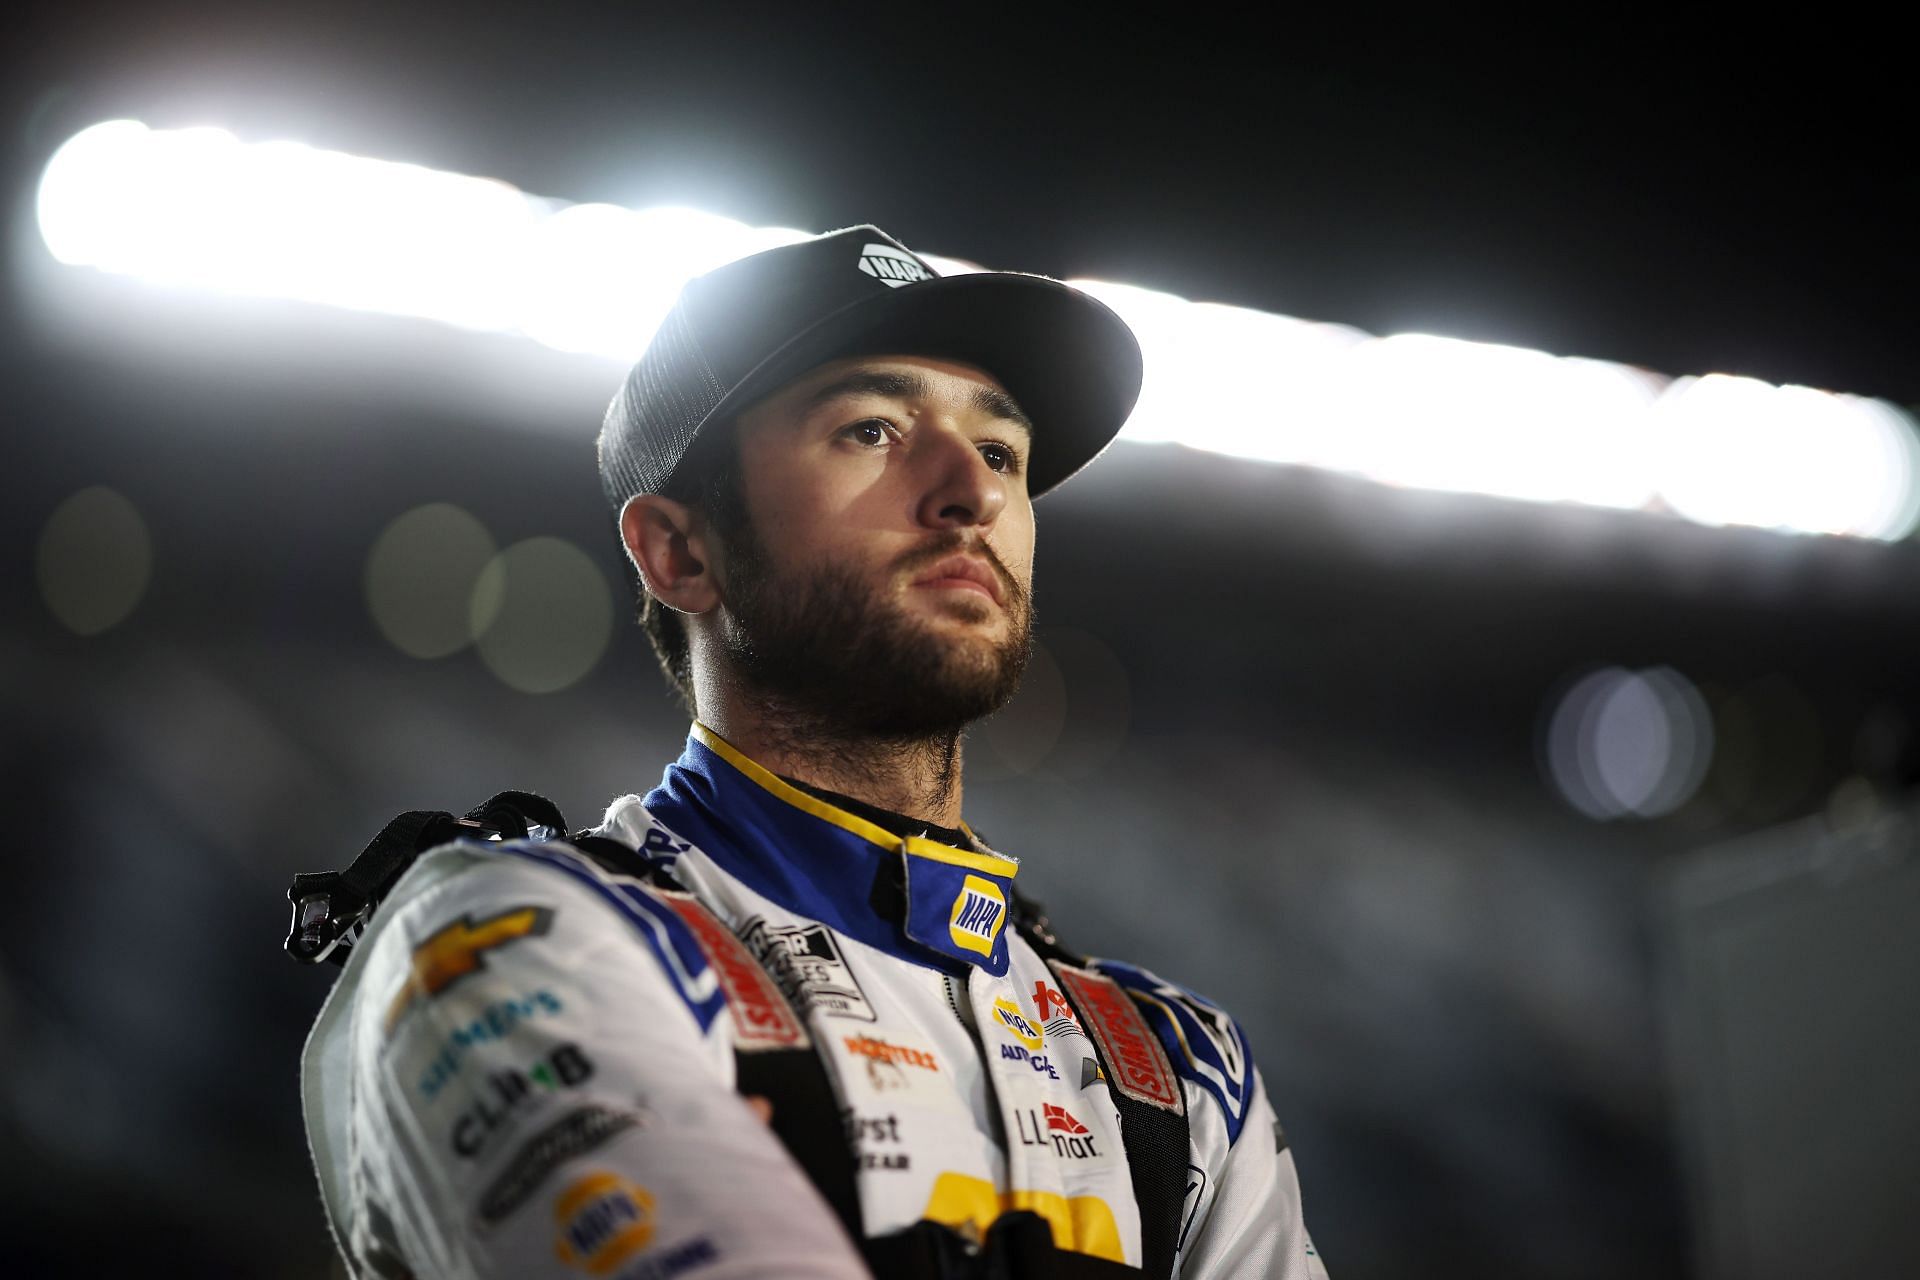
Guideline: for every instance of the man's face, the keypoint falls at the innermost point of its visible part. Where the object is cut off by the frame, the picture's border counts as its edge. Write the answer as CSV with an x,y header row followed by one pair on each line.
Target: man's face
x,y
884,581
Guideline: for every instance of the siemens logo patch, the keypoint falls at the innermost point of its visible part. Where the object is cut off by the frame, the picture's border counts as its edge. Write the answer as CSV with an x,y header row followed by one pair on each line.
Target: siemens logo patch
x,y
494,1023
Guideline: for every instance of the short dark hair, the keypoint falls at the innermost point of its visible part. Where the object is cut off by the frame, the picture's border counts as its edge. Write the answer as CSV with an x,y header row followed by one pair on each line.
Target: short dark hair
x,y
707,479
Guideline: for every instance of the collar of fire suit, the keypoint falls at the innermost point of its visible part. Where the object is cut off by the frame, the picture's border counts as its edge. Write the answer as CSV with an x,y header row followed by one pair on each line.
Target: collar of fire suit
x,y
910,896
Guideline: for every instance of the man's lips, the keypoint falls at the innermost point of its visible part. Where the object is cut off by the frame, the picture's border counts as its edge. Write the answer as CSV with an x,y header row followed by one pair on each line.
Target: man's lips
x,y
964,573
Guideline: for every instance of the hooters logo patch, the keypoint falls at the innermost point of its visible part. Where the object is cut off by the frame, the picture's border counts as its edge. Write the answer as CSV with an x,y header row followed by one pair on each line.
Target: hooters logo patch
x,y
1136,1063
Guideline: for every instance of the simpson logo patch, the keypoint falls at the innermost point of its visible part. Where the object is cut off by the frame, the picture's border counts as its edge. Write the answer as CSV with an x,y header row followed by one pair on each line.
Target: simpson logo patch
x,y
1138,1064
892,267
762,1017
978,912
460,948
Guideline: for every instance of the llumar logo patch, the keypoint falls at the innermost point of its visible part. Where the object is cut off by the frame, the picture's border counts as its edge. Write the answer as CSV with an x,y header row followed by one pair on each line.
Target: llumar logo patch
x,y
978,913
892,267
459,949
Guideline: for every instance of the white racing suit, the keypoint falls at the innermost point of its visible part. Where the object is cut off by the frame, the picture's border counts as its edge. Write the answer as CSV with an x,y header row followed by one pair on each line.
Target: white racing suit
x,y
528,1066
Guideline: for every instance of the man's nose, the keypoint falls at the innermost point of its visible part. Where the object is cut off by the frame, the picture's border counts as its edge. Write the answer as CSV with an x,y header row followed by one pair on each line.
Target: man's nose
x,y
961,489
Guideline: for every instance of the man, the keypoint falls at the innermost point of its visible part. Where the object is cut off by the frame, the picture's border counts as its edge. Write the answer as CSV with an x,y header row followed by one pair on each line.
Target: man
x,y
808,1028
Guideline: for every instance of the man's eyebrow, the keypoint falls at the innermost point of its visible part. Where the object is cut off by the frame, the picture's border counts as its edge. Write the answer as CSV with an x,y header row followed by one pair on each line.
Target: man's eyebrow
x,y
868,382
905,386
998,404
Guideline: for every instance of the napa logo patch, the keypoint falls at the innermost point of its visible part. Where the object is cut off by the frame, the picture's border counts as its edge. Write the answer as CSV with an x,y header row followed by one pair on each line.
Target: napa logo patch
x,y
978,912
1023,1028
893,267
603,1220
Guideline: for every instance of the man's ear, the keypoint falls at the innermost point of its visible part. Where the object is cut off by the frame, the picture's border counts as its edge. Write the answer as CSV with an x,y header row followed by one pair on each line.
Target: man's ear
x,y
668,544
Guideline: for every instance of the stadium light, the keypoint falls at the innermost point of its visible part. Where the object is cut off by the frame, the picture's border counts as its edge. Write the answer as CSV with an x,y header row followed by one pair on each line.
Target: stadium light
x,y
198,208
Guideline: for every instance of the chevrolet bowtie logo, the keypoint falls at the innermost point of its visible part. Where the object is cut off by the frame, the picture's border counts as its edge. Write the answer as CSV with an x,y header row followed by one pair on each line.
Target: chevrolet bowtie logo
x,y
460,949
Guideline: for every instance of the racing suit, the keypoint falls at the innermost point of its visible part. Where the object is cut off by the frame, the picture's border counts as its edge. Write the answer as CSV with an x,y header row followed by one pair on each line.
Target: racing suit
x,y
528,1065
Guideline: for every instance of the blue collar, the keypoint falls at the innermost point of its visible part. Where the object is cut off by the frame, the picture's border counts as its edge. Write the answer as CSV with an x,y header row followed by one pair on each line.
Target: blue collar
x,y
818,860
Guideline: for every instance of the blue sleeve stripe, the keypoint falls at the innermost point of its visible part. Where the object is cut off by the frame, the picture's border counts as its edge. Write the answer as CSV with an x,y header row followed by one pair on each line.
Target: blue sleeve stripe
x,y
1204,1044
673,943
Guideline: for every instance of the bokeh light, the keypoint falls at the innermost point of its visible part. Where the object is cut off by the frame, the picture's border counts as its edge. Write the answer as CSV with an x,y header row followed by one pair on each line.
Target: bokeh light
x,y
94,561
420,578
1623,744
543,615
1021,734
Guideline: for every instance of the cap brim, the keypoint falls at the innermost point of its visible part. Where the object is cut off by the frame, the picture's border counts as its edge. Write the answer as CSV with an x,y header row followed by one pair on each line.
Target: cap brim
x,y
1069,361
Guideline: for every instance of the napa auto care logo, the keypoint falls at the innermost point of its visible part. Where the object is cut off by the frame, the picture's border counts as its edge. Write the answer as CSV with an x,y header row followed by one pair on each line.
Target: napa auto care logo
x,y
603,1220
1009,1015
978,912
892,267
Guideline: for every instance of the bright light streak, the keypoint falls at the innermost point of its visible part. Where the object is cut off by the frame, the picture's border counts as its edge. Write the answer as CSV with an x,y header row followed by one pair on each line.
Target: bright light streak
x,y
200,209
1741,451
197,208
599,278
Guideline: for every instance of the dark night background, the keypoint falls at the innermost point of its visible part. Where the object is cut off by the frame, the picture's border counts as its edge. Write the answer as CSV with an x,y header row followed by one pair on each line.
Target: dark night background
x,y
1297,714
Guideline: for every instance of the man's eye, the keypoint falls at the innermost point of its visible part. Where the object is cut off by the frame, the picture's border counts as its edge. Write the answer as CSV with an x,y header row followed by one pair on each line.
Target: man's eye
x,y
1000,458
868,431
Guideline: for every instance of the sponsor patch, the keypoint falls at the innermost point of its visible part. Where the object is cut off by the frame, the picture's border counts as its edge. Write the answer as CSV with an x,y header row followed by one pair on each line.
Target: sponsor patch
x,y
1049,1002
1058,1128
1201,1041
892,267
807,962
865,1133
1190,1203
1008,1014
873,1047
978,912
1041,1064
492,1024
574,1134
459,949
881,1073
504,1094
1139,1065
602,1220
762,1017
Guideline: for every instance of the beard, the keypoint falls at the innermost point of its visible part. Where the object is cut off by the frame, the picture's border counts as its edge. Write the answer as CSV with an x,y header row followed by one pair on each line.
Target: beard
x,y
828,645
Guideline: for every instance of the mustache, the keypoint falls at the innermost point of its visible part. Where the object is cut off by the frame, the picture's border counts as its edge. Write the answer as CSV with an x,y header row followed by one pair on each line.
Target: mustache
x,y
955,542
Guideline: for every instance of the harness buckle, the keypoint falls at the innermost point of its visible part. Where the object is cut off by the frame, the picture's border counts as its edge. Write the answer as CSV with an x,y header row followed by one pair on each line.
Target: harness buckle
x,y
325,911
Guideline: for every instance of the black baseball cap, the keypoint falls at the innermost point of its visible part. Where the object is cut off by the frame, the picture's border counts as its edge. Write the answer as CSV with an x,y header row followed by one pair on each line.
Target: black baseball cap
x,y
742,331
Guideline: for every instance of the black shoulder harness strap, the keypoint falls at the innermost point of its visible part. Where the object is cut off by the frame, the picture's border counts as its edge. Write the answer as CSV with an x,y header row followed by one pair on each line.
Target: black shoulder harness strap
x,y
329,908
1156,1137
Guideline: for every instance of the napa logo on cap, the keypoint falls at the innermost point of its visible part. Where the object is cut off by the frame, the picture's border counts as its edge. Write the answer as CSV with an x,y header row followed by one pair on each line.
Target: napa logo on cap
x,y
893,267
978,912
1023,1027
